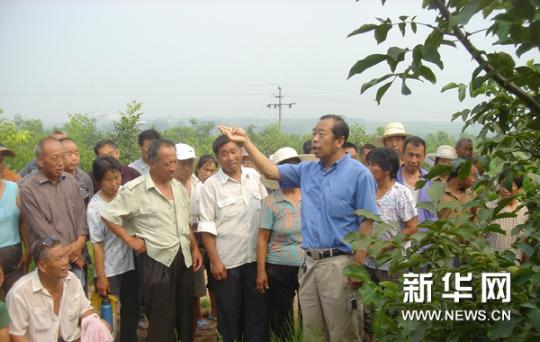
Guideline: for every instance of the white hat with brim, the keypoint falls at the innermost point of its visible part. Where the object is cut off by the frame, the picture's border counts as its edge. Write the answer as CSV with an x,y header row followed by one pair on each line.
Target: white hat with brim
x,y
443,151
6,152
184,152
392,129
283,154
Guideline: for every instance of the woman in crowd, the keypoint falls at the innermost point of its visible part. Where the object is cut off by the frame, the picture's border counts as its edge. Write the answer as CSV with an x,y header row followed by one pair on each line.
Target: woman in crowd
x,y
13,229
279,252
206,167
504,242
113,259
395,203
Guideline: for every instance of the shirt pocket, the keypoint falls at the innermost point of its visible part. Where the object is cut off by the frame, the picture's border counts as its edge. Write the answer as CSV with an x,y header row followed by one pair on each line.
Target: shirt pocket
x,y
339,208
227,207
148,216
255,199
41,318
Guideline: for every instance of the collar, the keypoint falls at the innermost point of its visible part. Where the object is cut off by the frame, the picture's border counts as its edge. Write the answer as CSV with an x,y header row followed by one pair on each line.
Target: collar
x,y
149,182
38,286
195,180
41,178
345,158
223,177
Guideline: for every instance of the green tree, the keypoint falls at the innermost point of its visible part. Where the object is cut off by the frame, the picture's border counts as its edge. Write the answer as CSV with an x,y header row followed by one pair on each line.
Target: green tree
x,y
199,134
83,130
434,140
509,113
126,131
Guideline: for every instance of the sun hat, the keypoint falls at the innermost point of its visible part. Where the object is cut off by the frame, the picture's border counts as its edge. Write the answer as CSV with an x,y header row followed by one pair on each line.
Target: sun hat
x,y
184,151
392,129
443,151
281,155
6,152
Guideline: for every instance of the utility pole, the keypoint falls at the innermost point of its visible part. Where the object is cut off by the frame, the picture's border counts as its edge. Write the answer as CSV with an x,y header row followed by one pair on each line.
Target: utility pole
x,y
279,105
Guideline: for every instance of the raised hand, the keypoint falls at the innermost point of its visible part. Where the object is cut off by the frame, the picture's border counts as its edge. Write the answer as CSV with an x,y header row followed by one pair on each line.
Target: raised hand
x,y
235,134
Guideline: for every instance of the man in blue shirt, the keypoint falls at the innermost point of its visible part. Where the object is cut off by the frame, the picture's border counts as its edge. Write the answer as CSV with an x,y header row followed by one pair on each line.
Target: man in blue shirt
x,y
332,189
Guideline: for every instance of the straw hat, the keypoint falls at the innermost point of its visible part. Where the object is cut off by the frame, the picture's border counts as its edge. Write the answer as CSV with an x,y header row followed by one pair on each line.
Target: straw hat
x,y
392,129
6,152
443,151
283,154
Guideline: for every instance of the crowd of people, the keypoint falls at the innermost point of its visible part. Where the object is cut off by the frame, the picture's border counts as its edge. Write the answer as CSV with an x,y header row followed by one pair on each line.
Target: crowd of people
x,y
254,232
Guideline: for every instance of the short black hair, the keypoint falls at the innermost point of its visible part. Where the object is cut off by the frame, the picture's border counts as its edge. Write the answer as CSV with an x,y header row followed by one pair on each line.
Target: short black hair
x,y
102,165
149,134
350,145
220,141
385,158
205,159
306,147
340,127
367,147
41,247
156,145
415,141
102,143
516,179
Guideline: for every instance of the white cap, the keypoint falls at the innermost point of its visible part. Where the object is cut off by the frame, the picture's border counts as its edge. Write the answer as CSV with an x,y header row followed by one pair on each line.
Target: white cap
x,y
184,151
280,155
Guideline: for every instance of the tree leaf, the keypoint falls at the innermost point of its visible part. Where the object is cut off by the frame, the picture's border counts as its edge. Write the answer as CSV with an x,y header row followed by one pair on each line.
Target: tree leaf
x,y
396,53
465,169
373,82
368,215
465,14
404,89
381,91
450,85
429,206
461,92
436,191
363,29
366,63
413,27
426,72
381,32
503,329
502,62
431,54
402,28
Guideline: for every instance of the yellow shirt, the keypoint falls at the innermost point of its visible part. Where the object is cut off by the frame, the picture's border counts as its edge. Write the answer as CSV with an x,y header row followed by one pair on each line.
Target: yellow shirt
x,y
145,212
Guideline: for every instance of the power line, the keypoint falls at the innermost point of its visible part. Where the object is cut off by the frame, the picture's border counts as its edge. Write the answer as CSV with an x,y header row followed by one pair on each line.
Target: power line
x,y
279,105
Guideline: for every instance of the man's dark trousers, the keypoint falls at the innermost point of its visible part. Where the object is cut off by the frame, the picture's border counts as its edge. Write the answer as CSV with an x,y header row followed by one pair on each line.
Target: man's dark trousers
x,y
241,309
168,298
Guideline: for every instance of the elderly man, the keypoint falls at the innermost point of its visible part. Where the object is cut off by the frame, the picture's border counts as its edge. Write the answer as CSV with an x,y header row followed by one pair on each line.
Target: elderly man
x,y
49,304
52,204
229,215
332,189
107,148
464,148
72,161
33,165
151,215
142,165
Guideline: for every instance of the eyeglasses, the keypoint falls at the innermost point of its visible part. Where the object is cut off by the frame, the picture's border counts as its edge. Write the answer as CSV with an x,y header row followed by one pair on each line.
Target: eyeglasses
x,y
49,241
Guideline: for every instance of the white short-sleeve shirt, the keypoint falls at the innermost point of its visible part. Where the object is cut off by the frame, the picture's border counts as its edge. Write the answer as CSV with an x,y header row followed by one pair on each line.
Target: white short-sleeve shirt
x,y
31,309
230,210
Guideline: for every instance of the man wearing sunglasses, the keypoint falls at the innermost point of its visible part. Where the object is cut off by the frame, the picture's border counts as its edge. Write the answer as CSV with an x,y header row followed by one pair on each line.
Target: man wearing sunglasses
x,y
48,303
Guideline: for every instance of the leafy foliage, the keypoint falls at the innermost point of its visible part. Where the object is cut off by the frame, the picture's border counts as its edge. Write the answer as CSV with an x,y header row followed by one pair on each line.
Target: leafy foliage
x,y
509,113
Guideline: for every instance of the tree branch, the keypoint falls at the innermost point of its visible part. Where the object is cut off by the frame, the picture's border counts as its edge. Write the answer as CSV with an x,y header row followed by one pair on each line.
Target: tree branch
x,y
488,68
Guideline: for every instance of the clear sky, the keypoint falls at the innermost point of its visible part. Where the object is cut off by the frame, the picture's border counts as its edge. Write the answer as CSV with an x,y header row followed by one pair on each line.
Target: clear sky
x,y
206,58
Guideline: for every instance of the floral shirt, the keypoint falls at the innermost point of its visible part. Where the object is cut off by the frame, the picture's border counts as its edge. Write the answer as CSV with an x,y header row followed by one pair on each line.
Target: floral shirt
x,y
396,205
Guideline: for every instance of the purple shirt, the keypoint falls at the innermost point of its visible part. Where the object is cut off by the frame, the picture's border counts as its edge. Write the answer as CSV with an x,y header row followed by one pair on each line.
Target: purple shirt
x,y
423,196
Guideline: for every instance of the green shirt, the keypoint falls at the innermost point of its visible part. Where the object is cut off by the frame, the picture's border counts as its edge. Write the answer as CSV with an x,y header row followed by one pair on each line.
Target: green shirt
x,y
145,212
4,318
